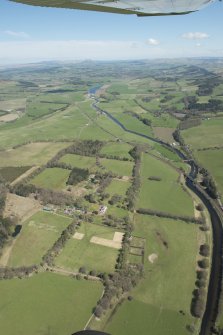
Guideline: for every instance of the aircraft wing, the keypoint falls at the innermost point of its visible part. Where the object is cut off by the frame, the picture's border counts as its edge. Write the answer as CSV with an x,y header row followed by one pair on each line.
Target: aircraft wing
x,y
139,7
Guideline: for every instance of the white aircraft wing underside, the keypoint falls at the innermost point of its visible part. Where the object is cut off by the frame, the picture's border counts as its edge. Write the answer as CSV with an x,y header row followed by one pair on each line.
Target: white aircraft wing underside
x,y
139,7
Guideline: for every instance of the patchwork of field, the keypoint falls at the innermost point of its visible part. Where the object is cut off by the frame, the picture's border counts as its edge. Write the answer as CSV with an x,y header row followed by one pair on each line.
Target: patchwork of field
x,y
70,124
51,178
30,154
166,195
84,253
47,304
212,160
49,108
158,305
38,234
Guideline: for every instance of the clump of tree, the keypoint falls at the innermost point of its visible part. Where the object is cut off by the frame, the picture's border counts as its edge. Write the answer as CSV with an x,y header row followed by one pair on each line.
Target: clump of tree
x,y
3,192
116,198
131,194
7,227
77,175
113,221
204,263
198,302
104,180
200,207
53,197
155,178
210,186
205,250
86,148
23,189
116,285
20,272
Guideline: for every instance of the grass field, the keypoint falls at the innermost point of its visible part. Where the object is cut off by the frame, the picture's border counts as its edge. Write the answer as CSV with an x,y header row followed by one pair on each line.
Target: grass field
x,y
118,187
10,173
15,104
46,304
212,160
37,235
64,125
79,253
166,195
208,134
31,154
82,162
121,168
51,178
117,149
167,284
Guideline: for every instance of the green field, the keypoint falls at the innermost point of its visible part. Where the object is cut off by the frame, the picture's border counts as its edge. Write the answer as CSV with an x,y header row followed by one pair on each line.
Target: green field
x,y
212,160
118,187
158,299
31,154
38,234
79,253
208,134
82,162
117,149
51,178
121,168
166,195
46,304
64,125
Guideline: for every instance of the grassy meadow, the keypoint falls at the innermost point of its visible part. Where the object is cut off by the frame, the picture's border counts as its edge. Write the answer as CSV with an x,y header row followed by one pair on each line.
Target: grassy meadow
x,y
121,168
46,304
117,149
119,187
208,135
81,162
166,195
51,178
38,234
31,154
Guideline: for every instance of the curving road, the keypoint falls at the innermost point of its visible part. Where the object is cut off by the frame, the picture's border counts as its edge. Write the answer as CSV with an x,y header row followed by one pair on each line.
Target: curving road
x,y
214,287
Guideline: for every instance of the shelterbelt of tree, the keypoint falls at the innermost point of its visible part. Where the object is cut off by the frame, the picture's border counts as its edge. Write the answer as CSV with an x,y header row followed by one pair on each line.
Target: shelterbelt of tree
x,y
210,315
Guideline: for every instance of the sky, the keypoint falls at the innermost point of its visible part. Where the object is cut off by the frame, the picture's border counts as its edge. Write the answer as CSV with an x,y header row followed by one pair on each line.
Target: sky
x,y
33,34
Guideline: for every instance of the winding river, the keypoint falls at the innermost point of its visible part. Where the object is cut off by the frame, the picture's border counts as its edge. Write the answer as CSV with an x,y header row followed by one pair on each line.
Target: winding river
x,y
214,287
